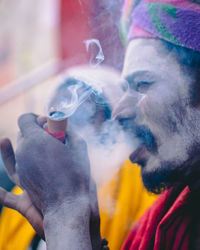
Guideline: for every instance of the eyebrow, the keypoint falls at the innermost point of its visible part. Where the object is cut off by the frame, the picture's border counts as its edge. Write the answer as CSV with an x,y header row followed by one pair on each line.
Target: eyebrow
x,y
131,78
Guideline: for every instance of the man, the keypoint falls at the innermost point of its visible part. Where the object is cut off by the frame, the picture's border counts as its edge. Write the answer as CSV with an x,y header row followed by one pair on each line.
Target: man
x,y
114,190
161,107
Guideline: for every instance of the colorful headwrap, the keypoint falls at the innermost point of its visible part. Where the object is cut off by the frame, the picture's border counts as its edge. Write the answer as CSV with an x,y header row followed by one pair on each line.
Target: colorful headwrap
x,y
177,21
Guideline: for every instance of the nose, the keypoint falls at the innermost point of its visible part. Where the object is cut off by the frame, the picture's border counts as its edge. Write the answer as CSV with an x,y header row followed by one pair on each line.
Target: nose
x,y
127,106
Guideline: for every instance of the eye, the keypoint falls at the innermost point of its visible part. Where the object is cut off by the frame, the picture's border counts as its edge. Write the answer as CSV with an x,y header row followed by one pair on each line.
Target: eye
x,y
143,86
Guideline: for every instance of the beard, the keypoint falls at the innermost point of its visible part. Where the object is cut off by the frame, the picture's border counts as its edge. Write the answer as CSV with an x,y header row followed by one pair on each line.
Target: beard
x,y
166,174
159,178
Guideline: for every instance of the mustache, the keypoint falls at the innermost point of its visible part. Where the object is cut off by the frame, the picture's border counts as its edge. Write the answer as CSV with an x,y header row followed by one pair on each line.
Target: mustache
x,y
142,132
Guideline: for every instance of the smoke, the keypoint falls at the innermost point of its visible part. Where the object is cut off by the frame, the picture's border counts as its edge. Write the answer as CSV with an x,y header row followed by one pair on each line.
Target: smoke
x,y
69,105
104,25
80,92
87,96
96,58
108,149
107,159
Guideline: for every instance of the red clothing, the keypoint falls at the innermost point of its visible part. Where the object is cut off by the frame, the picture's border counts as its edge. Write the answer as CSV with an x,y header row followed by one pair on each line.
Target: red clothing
x,y
166,225
60,135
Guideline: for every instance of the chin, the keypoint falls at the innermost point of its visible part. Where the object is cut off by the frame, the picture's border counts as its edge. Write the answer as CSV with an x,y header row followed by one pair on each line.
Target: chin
x,y
154,181
158,174
163,175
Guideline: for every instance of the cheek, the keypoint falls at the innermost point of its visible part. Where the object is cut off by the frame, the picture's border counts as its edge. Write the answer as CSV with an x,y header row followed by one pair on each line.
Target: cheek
x,y
151,108
158,116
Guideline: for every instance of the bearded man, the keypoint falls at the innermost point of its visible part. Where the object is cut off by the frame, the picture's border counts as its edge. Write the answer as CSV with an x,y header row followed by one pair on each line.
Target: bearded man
x,y
161,107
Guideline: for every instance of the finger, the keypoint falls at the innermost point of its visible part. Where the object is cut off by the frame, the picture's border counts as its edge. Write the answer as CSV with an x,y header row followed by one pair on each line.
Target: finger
x,y
27,209
8,156
36,220
104,242
28,124
8,199
11,200
42,120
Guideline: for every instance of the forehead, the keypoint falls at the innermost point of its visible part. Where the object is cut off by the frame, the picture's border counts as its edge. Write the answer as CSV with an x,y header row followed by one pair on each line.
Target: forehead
x,y
148,55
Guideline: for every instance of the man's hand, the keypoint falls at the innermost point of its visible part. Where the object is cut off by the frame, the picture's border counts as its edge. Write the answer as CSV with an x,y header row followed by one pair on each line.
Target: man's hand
x,y
29,153
50,171
22,202
57,179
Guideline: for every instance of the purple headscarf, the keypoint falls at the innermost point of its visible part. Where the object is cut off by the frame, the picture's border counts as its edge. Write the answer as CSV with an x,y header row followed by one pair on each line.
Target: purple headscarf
x,y
176,21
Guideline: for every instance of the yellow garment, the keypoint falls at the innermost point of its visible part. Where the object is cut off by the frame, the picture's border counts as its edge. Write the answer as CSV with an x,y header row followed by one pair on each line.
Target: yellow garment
x,y
121,202
15,231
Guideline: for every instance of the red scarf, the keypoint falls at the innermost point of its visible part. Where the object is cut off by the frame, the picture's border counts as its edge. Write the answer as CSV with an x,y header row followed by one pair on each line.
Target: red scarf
x,y
166,225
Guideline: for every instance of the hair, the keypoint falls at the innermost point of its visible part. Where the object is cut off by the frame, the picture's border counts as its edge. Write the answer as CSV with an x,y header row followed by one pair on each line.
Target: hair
x,y
101,102
185,56
190,62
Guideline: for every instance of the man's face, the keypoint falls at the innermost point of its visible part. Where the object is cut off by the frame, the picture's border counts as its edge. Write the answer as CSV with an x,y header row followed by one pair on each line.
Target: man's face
x,y
157,107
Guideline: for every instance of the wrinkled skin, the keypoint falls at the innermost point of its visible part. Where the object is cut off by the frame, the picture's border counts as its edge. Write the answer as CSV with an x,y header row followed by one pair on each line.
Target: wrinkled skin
x,y
158,103
38,153
73,187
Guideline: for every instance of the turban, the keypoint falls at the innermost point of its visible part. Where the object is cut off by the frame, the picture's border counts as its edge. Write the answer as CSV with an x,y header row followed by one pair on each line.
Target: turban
x,y
176,21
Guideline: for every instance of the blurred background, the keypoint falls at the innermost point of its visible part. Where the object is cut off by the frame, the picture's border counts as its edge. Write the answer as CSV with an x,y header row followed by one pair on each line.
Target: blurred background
x,y
40,39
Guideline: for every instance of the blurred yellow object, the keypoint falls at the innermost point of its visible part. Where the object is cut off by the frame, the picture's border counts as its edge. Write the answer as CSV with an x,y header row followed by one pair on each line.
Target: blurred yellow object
x,y
15,231
122,201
